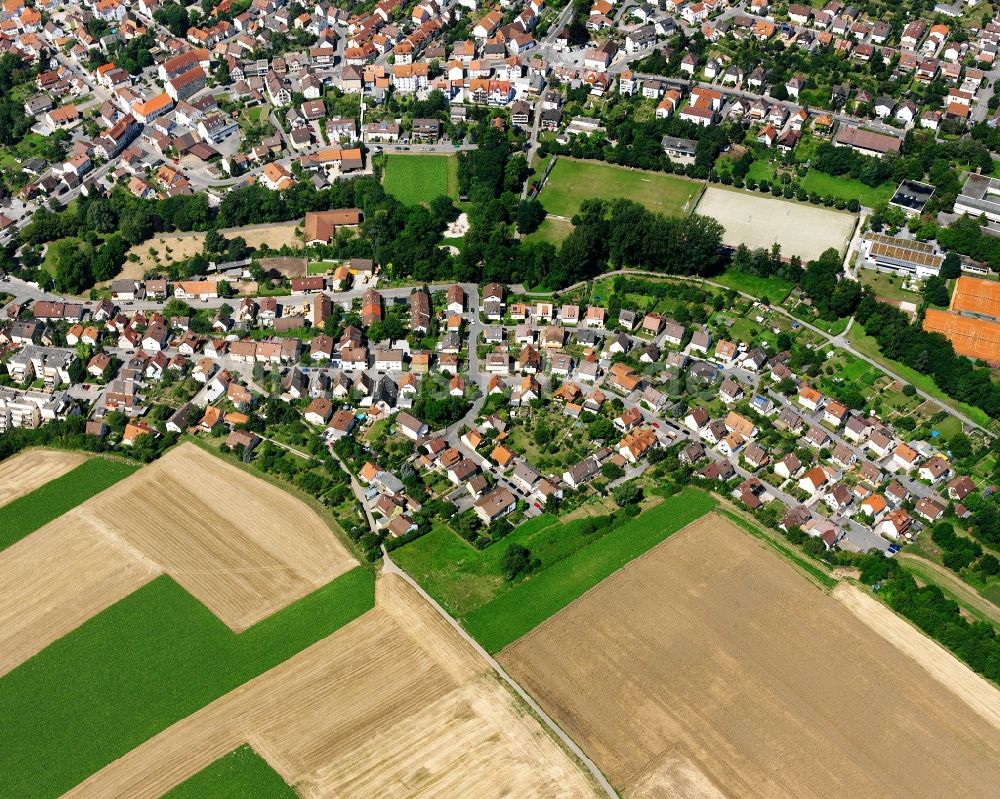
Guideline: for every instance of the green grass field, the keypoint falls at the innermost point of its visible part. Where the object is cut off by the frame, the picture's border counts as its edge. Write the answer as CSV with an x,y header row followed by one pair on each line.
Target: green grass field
x,y
26,514
242,774
552,230
774,288
516,610
143,664
846,188
571,182
415,179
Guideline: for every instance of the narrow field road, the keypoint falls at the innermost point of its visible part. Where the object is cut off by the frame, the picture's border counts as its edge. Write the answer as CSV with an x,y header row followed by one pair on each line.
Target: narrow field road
x,y
953,583
389,567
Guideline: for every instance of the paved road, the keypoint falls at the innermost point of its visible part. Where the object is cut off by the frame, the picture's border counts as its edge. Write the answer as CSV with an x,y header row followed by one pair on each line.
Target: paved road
x,y
389,567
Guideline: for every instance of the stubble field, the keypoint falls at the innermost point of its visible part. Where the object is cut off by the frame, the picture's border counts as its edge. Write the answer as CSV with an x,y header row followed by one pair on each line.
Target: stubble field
x,y
55,579
759,221
26,471
241,546
393,704
238,544
711,667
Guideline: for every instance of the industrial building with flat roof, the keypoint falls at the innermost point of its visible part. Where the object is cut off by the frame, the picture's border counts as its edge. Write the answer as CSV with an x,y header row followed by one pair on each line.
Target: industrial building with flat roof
x,y
903,256
980,195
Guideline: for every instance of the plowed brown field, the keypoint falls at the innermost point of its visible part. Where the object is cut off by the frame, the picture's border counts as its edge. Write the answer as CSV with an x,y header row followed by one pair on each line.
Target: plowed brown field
x,y
395,704
26,471
711,666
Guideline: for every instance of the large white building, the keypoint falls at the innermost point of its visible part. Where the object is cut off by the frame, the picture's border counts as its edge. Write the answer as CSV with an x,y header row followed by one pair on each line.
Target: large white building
x,y
903,256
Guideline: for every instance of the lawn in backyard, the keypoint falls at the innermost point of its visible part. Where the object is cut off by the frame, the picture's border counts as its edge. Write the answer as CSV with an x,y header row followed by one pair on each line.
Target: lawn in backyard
x,y
415,179
27,513
886,285
240,774
143,664
468,582
844,188
571,182
774,288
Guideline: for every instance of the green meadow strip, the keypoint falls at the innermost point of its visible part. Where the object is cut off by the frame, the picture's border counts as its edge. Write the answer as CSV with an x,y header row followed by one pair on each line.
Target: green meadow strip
x,y
26,514
148,661
242,774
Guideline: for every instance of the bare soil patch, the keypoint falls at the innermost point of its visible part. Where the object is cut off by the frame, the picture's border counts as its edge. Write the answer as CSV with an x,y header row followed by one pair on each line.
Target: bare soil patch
x,y
240,545
55,579
759,221
711,653
394,704
28,470
183,245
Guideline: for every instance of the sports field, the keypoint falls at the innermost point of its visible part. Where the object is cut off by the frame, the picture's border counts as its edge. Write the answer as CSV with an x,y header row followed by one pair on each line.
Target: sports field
x,y
745,679
26,471
469,584
415,179
394,704
55,497
760,221
571,182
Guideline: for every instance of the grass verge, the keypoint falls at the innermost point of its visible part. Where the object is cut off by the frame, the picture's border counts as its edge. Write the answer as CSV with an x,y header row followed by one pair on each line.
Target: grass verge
x,y
143,664
240,774
47,502
789,553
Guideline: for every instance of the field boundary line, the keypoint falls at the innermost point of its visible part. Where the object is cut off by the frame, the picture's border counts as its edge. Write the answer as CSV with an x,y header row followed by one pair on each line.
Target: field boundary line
x,y
534,630
390,567
974,690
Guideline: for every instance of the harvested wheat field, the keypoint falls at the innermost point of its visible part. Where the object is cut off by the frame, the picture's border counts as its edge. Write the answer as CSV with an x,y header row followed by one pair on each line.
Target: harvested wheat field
x,y
710,666
238,544
394,704
58,577
28,470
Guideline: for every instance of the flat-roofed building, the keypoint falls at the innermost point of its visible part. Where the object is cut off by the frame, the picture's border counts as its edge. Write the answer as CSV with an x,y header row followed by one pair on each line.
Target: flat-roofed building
x,y
980,195
903,256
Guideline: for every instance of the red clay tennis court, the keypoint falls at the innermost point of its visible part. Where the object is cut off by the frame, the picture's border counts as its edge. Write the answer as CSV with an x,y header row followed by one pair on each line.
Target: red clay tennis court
x,y
977,296
974,338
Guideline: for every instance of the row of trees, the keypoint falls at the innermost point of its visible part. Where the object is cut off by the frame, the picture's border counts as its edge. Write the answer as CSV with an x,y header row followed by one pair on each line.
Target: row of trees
x,y
977,643
929,353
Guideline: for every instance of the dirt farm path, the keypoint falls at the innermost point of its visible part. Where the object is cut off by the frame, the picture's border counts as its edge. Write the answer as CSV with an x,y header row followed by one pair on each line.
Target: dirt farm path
x,y
977,692
394,704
